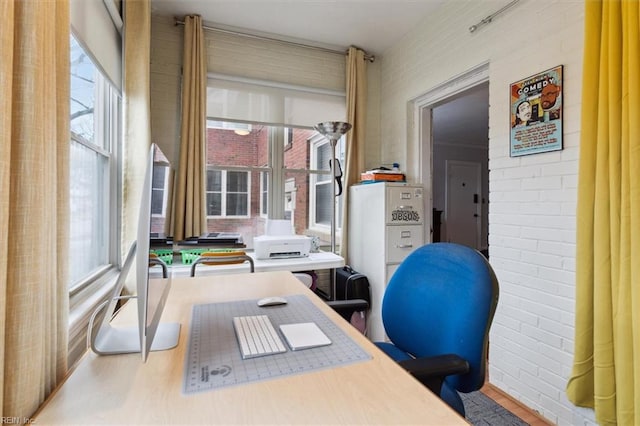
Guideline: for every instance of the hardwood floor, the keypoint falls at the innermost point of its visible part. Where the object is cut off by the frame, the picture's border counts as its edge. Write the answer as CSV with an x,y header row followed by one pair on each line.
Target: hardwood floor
x,y
516,407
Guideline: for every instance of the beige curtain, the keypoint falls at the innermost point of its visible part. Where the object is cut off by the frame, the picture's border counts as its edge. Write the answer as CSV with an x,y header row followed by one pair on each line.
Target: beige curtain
x,y
34,201
356,116
189,214
606,369
137,113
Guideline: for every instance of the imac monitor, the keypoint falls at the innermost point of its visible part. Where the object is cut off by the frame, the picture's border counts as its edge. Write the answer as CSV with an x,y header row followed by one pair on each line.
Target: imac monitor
x,y
153,281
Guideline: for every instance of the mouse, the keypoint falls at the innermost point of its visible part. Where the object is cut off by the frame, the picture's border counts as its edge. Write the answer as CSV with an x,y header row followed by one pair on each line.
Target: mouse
x,y
272,301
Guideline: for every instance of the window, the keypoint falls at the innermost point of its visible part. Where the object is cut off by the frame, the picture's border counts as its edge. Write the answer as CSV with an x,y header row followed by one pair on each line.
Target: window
x,y
295,180
95,134
227,193
276,158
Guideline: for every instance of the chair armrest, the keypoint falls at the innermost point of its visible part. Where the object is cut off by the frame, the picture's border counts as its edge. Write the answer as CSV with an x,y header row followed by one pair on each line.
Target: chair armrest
x,y
347,307
431,371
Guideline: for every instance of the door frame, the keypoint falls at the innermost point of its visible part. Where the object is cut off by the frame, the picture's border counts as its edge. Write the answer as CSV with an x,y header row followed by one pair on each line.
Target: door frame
x,y
420,141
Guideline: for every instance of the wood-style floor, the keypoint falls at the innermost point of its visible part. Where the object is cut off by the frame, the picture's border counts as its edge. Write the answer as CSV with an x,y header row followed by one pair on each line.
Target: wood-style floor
x,y
525,413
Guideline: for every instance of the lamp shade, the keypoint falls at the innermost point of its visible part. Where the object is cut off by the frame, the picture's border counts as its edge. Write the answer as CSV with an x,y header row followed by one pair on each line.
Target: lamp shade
x,y
333,129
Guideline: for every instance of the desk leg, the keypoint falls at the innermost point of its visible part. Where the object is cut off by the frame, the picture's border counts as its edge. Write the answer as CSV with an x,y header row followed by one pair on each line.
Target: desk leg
x,y
332,274
327,292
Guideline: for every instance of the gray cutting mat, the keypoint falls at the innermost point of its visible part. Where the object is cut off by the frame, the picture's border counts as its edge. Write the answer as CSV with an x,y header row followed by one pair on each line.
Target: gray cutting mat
x,y
213,357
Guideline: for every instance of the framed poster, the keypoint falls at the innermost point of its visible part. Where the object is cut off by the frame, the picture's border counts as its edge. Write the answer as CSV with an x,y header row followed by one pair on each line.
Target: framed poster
x,y
536,113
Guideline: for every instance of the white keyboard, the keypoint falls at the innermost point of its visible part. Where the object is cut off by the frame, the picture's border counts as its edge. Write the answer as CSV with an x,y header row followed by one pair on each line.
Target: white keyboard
x,y
257,337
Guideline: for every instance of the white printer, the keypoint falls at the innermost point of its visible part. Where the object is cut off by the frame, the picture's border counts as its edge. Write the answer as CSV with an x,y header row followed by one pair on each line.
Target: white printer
x,y
281,246
279,242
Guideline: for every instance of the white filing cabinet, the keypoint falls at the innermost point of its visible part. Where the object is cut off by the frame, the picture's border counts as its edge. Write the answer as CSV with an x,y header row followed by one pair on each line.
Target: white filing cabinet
x,y
386,223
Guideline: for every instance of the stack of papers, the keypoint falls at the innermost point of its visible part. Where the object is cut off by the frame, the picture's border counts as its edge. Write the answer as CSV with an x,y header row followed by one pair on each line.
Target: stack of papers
x,y
382,175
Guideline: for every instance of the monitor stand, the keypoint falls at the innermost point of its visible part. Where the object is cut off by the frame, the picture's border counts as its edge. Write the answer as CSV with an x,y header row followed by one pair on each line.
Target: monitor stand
x,y
108,340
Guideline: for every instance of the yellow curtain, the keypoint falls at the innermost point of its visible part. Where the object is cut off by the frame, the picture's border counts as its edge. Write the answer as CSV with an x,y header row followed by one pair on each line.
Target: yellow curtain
x,y
356,116
606,372
189,215
34,202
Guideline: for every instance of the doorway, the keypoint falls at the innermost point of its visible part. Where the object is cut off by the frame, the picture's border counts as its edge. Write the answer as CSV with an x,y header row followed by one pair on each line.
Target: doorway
x,y
452,132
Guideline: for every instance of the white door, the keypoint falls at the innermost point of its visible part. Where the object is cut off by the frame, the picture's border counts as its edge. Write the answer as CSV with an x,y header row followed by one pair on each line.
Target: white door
x,y
463,192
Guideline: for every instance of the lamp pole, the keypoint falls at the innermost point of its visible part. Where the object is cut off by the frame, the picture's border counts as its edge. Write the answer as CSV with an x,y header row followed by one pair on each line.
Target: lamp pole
x,y
333,131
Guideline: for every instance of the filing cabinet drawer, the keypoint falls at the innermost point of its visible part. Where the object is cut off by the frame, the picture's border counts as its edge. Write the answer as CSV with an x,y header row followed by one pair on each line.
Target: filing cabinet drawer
x,y
402,240
405,206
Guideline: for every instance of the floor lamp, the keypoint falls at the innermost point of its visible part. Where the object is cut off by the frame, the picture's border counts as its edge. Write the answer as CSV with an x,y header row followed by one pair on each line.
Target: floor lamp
x,y
333,130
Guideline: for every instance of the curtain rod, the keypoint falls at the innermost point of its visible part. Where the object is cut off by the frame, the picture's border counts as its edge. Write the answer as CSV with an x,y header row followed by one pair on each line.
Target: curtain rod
x,y
489,18
370,58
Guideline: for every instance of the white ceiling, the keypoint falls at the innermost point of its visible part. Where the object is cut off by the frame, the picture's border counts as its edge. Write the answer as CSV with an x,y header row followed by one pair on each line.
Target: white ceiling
x,y
373,25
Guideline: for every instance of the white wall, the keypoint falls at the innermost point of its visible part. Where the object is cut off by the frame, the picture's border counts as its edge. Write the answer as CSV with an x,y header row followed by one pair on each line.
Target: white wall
x,y
532,198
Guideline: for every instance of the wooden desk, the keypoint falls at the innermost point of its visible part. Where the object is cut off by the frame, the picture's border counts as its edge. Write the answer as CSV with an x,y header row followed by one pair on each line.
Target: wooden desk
x,y
120,389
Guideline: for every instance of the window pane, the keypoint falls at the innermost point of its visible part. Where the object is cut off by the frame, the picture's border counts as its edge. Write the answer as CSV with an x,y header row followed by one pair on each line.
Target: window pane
x,y
323,204
322,160
214,204
89,219
237,181
237,205
214,180
228,148
157,194
83,88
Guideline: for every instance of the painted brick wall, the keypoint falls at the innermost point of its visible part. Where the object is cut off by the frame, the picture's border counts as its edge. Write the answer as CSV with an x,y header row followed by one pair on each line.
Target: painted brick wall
x,y
532,199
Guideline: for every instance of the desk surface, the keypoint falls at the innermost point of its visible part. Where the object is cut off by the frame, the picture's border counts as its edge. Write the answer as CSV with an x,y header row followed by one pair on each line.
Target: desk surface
x,y
320,260
121,389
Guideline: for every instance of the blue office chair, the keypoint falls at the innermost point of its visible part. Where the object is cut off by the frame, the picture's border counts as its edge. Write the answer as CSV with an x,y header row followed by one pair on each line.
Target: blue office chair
x,y
437,310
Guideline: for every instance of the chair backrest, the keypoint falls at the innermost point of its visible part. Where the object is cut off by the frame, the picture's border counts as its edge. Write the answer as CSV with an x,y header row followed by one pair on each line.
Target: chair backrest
x,y
222,258
441,300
